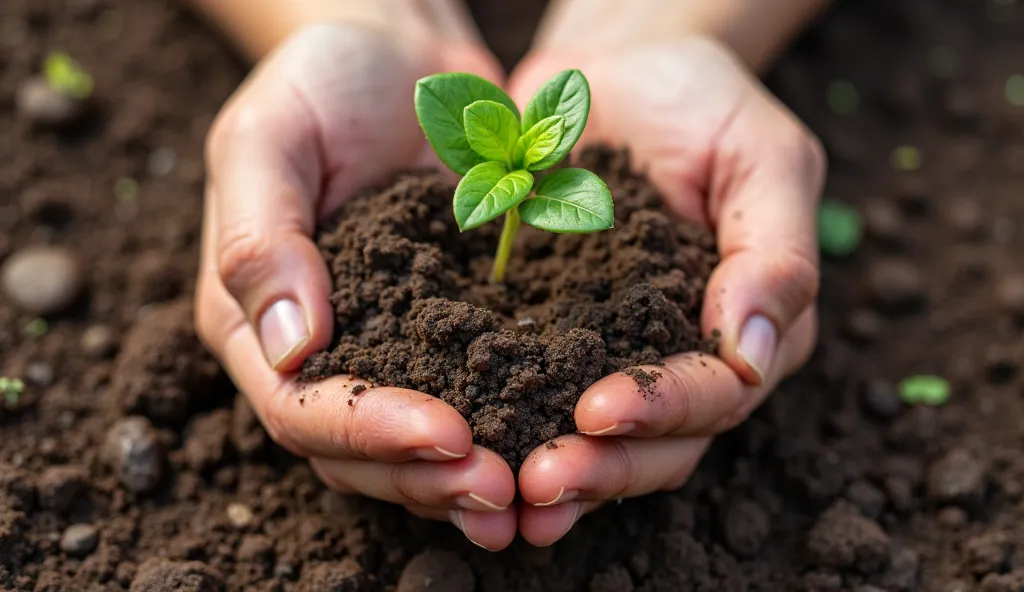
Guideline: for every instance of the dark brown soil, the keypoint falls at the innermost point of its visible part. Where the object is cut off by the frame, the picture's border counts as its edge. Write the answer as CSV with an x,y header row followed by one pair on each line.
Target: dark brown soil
x,y
834,485
414,307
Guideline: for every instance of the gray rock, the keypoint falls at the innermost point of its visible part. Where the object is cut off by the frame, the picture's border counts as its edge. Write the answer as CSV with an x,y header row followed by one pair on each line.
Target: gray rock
x,y
79,539
41,280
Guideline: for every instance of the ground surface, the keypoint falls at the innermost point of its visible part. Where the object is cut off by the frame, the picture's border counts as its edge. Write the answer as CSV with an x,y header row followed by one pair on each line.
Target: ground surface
x,y
833,485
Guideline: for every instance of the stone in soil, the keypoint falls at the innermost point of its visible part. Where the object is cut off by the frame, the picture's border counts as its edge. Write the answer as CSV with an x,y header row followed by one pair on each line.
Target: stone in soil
x,y
206,439
884,221
40,104
863,325
879,397
746,526
161,575
965,218
844,539
433,571
41,280
133,451
99,342
339,576
867,497
958,477
60,486
895,284
79,539
1010,294
987,553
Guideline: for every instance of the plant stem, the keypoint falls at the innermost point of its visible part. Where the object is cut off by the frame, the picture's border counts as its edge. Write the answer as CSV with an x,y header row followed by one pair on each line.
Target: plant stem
x,y
508,237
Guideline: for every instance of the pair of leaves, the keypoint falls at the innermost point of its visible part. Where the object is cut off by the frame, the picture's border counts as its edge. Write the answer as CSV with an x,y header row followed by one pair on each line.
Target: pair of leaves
x,y
67,77
468,120
567,201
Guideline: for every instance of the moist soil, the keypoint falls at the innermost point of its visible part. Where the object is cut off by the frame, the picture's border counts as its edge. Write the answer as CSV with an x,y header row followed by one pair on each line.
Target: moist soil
x,y
129,463
414,307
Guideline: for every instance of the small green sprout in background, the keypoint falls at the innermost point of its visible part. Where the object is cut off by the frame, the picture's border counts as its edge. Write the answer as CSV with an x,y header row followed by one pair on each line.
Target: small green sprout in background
x,y
125,189
1014,90
925,389
839,228
36,328
67,77
842,97
477,131
11,389
943,61
906,158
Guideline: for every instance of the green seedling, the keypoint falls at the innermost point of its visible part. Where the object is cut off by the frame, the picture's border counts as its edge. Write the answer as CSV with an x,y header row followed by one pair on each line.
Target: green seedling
x,y
477,131
11,389
67,77
839,229
36,328
925,389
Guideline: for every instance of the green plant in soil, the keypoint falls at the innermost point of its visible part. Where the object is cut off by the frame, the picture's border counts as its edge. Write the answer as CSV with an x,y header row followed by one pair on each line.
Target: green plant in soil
x,y
11,390
477,131
839,228
67,77
925,389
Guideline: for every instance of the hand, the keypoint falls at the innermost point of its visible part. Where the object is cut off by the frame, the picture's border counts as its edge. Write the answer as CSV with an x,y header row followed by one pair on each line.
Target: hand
x,y
328,113
726,153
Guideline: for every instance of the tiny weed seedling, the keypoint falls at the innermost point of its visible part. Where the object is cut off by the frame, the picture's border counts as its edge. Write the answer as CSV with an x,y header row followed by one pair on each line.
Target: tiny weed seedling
x,y
11,390
477,131
839,229
65,76
925,389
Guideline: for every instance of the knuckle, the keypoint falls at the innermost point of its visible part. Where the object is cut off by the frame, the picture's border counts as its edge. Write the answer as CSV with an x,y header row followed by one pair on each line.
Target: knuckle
x,y
797,279
630,467
275,424
404,484
809,153
681,391
234,123
243,255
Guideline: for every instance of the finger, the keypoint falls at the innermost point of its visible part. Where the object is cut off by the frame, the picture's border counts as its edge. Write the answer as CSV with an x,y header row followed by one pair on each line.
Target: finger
x,y
543,526
490,530
691,394
767,179
583,468
481,482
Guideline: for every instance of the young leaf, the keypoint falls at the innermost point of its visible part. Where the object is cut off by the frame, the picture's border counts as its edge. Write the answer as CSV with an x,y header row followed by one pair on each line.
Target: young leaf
x,y
487,191
67,77
441,101
492,130
571,201
539,142
567,94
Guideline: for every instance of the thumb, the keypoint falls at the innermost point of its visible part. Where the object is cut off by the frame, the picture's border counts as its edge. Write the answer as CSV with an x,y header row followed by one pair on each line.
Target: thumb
x,y
265,169
768,172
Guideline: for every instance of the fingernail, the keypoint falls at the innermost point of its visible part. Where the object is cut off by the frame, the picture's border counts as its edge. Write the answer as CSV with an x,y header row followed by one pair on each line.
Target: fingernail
x,y
575,518
757,344
562,498
472,501
437,454
616,429
283,332
455,516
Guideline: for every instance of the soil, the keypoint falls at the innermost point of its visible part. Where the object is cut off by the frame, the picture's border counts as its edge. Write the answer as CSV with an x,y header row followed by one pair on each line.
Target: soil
x,y
414,307
833,485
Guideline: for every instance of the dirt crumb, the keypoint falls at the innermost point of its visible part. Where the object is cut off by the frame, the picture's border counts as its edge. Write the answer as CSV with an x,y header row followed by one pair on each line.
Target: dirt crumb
x,y
645,380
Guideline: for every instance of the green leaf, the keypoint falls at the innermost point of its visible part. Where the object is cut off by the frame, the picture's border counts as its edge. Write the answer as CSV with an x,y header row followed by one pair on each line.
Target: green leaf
x,y
492,130
567,94
839,229
925,389
441,101
65,76
571,201
539,142
487,191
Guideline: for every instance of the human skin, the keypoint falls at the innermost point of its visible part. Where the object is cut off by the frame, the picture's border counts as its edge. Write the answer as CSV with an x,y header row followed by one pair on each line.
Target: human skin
x,y
329,110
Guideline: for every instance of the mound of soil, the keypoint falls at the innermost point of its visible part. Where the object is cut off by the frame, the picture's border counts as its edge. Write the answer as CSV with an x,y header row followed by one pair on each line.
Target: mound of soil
x,y
414,307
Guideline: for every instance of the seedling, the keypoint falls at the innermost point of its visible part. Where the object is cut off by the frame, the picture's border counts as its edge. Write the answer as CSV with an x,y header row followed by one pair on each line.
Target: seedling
x,y
11,389
925,389
65,76
839,229
477,131
36,328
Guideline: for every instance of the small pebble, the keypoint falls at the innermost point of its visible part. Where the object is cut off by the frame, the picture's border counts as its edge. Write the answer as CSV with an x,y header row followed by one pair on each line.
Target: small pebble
x,y
162,161
957,477
39,374
746,527
966,218
41,280
284,571
59,486
436,570
79,539
842,538
883,220
987,553
867,497
98,342
895,283
133,450
1010,294
1004,230
239,515
952,517
881,399
863,325
38,102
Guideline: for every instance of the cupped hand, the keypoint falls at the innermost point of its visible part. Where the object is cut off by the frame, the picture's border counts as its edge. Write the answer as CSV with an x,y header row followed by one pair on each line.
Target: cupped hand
x,y
724,152
328,113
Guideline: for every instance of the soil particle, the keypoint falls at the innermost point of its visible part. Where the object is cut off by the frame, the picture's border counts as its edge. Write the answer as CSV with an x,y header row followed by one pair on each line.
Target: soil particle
x,y
904,567
822,581
958,477
239,515
745,526
99,342
414,309
247,433
965,218
645,380
863,325
135,454
894,285
1011,582
614,579
41,280
59,486
39,374
883,221
915,430
79,539
1010,294
436,571
987,553
342,576
41,105
952,517
161,575
256,548
162,370
206,439
867,497
843,539
880,399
